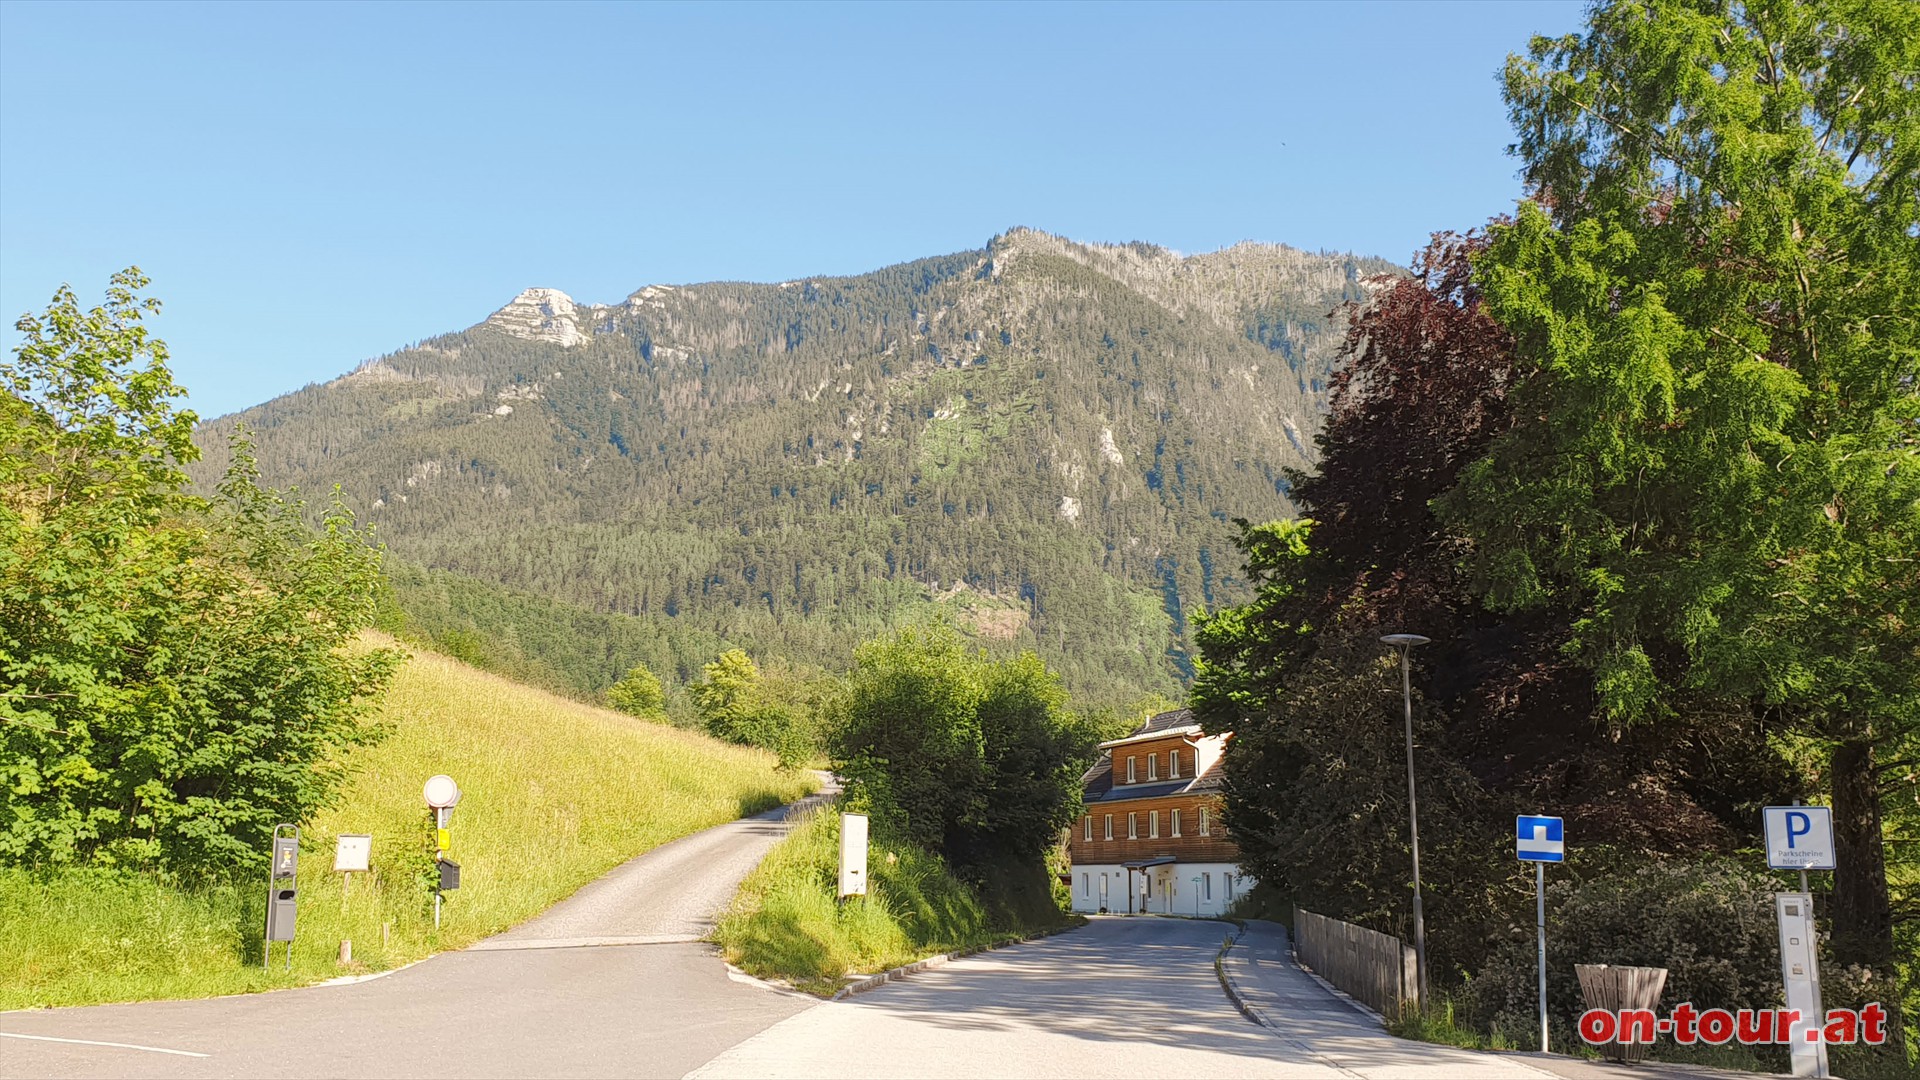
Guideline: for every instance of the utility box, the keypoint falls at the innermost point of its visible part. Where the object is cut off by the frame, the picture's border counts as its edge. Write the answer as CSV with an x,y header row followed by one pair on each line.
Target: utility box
x,y
1800,971
449,875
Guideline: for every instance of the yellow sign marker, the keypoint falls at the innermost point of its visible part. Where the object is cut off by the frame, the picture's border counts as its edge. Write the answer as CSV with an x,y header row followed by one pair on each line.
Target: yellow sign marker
x,y
445,840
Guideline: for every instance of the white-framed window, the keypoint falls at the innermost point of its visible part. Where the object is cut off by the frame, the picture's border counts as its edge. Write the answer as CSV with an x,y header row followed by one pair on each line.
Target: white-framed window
x,y
1173,764
1086,889
1206,827
1229,878
1206,885
1103,889
1175,822
1153,766
1133,826
1086,831
1153,825
1109,827
1130,760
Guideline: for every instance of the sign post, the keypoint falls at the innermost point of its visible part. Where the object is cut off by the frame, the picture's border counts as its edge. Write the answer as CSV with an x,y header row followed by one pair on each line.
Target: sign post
x,y
1540,840
442,794
352,853
1800,838
853,855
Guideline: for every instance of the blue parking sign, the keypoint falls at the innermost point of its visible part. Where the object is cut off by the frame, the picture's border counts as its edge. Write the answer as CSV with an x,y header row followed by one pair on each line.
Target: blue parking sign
x,y
1539,839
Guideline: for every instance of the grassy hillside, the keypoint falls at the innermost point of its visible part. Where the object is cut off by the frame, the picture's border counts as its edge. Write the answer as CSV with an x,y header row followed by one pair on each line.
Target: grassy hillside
x,y
785,923
554,794
1064,429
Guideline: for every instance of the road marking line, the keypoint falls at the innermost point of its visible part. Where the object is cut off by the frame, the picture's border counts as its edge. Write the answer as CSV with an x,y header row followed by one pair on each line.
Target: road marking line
x,y
96,1042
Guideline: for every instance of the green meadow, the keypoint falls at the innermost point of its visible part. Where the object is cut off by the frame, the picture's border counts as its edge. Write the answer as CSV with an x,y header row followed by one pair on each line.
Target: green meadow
x,y
554,793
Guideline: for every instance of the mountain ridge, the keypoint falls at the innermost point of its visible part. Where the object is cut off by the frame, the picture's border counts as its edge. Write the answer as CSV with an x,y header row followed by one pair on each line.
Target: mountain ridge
x,y
1062,428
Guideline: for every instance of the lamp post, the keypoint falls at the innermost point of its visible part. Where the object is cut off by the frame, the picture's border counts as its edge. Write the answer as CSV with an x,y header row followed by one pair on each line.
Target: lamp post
x,y
1406,643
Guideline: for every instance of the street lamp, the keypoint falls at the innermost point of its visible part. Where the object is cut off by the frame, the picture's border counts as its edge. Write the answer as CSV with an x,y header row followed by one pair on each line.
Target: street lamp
x,y
1406,643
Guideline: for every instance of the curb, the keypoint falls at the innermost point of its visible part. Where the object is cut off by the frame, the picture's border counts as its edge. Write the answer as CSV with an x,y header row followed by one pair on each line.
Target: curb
x,y
874,982
1227,984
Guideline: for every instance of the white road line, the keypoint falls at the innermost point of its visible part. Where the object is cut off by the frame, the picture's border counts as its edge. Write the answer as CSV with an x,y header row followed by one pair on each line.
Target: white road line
x,y
94,1042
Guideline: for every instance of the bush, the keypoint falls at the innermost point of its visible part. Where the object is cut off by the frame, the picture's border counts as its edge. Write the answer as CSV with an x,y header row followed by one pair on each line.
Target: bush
x,y
1711,925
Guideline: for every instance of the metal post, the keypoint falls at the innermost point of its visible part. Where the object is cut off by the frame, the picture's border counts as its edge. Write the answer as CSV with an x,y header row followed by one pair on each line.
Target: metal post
x,y
1803,873
1413,829
1540,921
436,909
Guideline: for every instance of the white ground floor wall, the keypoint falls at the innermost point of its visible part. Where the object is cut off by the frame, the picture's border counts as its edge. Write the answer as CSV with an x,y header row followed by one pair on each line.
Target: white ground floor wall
x,y
1169,889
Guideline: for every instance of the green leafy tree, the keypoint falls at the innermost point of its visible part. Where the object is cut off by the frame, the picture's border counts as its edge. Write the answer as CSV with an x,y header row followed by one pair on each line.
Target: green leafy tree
x,y
727,699
177,673
638,693
776,711
1714,459
972,757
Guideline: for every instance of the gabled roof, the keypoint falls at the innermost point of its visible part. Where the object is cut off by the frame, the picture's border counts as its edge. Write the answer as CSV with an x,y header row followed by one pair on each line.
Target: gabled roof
x,y
1097,785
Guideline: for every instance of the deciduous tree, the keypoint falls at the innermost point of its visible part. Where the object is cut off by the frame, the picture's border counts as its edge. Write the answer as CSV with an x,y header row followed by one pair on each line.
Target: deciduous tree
x,y
1714,457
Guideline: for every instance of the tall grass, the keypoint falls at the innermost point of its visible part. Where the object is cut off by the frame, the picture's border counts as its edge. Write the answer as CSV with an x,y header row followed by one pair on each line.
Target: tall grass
x,y
786,924
554,793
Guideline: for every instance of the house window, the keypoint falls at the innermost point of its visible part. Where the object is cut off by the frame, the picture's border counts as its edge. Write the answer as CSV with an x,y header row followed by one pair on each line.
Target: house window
x,y
1176,822
1130,769
1153,825
1229,880
1086,890
1173,764
1133,826
1109,827
1153,766
1206,885
1086,833
1206,829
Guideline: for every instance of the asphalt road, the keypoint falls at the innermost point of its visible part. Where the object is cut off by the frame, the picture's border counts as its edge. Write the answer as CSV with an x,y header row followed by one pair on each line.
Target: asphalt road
x,y
614,982
1123,997
610,982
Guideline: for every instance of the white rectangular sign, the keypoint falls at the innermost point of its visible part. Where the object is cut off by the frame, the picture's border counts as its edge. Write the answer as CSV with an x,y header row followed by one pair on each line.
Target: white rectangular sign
x,y
853,854
351,853
1799,837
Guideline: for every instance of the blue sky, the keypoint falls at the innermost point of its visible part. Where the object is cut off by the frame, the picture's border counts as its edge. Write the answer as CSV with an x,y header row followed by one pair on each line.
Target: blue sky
x,y
310,186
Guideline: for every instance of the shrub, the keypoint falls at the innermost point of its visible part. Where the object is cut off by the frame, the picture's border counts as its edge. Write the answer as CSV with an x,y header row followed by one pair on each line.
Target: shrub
x,y
1711,925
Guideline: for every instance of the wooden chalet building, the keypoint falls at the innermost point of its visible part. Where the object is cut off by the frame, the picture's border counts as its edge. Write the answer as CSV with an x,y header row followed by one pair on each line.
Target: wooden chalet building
x,y
1152,839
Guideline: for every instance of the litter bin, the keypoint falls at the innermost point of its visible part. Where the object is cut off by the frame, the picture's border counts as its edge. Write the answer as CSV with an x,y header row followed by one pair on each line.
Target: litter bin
x,y
1604,986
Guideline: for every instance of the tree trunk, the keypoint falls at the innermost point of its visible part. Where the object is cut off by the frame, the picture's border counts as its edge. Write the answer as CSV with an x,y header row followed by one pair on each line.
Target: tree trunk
x,y
1862,922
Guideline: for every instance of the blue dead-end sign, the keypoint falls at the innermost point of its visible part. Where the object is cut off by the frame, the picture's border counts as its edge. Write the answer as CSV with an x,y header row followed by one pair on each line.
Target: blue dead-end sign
x,y
1539,839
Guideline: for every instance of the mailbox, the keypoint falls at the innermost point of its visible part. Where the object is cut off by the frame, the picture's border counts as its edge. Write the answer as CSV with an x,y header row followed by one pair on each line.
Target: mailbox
x,y
449,875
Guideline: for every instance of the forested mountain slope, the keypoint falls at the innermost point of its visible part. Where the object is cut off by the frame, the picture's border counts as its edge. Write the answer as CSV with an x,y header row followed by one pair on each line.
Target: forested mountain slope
x,y
1046,438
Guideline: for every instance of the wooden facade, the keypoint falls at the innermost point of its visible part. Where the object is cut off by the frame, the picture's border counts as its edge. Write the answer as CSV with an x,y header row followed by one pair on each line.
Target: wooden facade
x,y
1144,864
1189,847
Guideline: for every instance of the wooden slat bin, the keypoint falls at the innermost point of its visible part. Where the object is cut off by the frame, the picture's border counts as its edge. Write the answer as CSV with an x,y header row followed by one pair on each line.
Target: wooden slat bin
x,y
1604,986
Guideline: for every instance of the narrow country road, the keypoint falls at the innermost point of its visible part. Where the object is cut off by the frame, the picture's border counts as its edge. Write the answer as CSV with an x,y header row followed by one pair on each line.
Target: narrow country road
x,y
612,981
1124,996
